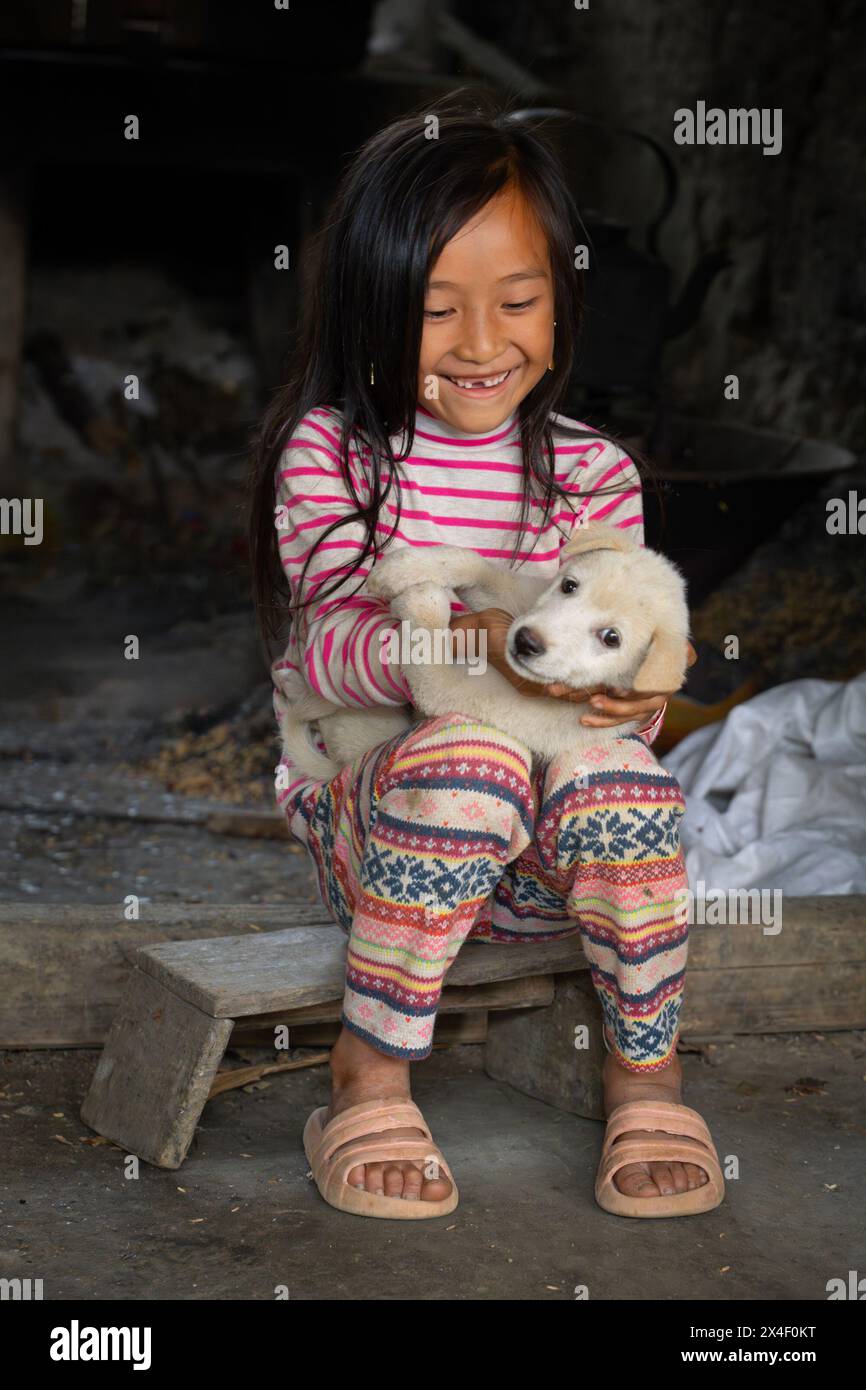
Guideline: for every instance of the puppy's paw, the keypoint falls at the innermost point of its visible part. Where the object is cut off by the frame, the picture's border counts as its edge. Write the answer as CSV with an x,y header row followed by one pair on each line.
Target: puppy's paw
x,y
423,605
445,565
394,573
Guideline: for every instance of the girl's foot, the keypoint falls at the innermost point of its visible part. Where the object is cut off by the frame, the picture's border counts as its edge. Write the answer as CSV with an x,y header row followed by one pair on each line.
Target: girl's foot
x,y
648,1179
358,1073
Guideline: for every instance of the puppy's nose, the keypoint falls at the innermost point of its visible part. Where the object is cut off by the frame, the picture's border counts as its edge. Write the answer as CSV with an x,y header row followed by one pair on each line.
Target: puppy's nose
x,y
527,642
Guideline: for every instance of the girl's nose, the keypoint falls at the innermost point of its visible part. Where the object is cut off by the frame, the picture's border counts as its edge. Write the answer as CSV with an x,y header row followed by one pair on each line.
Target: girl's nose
x,y
481,341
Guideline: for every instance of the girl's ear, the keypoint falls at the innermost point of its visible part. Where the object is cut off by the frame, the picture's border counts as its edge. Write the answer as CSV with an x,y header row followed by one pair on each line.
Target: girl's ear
x,y
597,535
663,669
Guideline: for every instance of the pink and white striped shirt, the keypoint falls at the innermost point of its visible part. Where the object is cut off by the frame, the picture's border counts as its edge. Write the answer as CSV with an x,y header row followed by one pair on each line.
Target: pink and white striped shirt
x,y
455,489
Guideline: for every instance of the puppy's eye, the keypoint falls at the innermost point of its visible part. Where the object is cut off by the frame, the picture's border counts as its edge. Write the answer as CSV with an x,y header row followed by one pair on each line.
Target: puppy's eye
x,y
609,636
569,586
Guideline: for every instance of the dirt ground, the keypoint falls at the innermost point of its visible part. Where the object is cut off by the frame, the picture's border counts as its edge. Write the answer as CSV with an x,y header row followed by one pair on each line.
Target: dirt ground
x,y
242,1215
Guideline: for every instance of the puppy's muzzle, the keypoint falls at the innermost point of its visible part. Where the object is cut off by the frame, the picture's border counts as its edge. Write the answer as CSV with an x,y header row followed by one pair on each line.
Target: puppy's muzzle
x,y
528,643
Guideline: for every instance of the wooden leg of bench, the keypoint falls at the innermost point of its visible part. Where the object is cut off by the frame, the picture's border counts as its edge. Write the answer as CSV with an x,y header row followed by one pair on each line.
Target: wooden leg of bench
x,y
534,1049
155,1072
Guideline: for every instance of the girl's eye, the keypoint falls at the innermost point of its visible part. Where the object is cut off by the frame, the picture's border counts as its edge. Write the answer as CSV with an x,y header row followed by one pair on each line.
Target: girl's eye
x,y
569,586
437,314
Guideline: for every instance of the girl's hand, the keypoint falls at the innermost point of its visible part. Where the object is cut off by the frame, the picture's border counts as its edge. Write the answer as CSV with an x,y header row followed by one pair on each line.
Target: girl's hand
x,y
616,707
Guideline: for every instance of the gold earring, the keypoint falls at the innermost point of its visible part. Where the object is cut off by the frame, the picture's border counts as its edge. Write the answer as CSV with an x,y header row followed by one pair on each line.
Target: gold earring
x,y
551,363
372,375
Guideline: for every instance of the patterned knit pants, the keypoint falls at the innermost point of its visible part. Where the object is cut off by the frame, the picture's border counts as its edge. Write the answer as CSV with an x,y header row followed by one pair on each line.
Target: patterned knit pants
x,y
445,833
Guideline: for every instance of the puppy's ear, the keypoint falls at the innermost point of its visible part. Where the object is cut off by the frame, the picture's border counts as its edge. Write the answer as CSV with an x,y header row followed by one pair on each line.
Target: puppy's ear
x,y
664,666
597,535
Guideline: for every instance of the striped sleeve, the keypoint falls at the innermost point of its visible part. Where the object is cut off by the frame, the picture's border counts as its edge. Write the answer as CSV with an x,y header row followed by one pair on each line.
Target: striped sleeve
x,y
650,732
339,637
610,477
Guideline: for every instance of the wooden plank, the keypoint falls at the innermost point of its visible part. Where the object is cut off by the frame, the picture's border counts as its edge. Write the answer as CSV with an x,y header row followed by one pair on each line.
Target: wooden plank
x,y
534,1050
533,991
815,931
155,1073
81,791
238,976
791,999
160,921
64,967
235,978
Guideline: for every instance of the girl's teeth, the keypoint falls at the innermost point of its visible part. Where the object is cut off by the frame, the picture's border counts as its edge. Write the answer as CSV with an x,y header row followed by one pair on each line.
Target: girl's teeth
x,y
471,385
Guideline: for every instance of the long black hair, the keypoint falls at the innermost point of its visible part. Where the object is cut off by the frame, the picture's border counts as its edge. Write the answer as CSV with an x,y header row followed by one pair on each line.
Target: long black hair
x,y
402,198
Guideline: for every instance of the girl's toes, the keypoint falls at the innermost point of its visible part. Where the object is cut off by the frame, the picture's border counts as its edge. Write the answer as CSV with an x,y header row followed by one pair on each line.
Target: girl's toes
x,y
634,1180
393,1181
357,1177
696,1176
436,1190
376,1178
412,1181
664,1178
681,1181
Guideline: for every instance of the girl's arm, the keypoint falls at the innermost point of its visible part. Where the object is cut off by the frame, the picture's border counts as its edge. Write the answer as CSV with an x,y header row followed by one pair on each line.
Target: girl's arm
x,y
609,482
338,637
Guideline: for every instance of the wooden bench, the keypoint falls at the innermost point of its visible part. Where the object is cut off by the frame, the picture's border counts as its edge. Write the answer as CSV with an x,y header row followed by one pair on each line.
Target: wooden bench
x,y
183,998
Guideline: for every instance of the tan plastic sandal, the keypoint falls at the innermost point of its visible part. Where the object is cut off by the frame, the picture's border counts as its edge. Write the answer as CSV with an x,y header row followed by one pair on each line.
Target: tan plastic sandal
x,y
673,1120
357,1128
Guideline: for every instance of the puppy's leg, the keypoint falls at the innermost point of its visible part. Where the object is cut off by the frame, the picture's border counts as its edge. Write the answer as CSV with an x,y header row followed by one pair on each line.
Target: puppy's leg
x,y
351,732
444,565
424,605
295,742
434,678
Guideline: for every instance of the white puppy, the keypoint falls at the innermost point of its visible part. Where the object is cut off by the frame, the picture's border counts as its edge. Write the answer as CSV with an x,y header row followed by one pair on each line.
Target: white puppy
x,y
614,615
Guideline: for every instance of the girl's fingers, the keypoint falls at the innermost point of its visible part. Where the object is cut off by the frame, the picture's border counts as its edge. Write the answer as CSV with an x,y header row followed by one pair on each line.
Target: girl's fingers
x,y
567,692
607,711
645,704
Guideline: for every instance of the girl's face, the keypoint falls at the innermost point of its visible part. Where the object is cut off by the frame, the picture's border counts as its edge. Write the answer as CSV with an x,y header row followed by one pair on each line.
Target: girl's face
x,y
488,318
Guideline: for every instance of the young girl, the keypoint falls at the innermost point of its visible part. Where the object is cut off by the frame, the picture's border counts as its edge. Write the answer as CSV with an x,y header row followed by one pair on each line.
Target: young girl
x,y
422,410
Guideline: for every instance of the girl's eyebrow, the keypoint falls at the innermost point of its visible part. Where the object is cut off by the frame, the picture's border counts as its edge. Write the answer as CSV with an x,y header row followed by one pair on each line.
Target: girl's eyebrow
x,y
515,275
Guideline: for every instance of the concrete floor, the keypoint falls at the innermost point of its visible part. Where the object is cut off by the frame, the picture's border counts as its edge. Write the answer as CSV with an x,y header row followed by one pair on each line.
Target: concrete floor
x,y
527,1228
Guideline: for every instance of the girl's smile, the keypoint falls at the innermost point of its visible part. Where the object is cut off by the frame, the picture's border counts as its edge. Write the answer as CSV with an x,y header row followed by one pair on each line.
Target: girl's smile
x,y
488,317
483,387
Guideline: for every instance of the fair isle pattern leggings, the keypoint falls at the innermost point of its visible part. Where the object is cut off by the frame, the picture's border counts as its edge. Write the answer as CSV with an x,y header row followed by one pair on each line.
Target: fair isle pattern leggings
x,y
445,833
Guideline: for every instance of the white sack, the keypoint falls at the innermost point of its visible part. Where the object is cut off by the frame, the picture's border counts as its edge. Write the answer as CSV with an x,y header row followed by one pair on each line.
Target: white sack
x,y
776,793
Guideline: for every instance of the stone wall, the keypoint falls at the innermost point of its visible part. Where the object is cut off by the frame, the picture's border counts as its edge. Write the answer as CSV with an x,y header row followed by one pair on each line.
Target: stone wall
x,y
789,317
